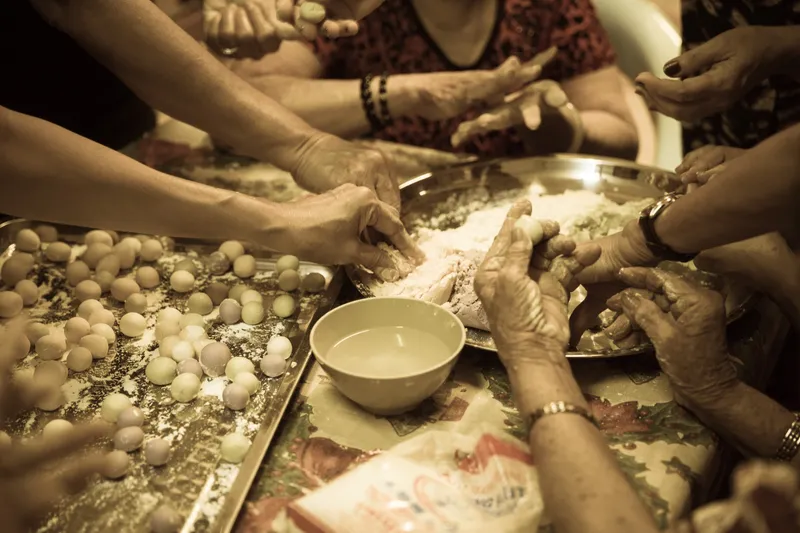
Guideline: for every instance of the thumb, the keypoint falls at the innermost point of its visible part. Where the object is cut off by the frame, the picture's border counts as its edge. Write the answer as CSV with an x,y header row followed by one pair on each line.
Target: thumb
x,y
377,261
692,62
648,316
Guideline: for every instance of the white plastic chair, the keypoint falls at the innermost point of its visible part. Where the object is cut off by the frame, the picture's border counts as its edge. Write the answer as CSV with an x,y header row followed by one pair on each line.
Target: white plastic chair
x,y
644,40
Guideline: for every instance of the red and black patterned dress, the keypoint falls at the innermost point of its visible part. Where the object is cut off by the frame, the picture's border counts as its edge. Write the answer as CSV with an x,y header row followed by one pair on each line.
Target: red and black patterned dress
x,y
393,40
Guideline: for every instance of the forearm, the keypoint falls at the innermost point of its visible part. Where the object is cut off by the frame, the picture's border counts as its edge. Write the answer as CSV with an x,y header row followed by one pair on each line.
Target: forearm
x,y
608,135
48,173
582,486
174,74
756,195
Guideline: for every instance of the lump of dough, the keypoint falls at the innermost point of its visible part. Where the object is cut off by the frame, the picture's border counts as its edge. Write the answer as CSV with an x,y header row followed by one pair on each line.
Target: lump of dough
x,y
105,280
28,291
167,329
245,266
214,358
218,263
113,405
35,331
20,346
98,236
182,350
11,304
165,519
313,282
132,325
51,347
287,262
77,271
132,416
312,12
185,387
105,331
87,290
123,287
161,371
200,303
27,241
289,280
125,253
133,243
96,344
251,296
272,365
190,366
136,303
46,233
87,307
531,227
187,265
79,359
192,333
151,250
230,311
16,268
234,447
53,373
157,452
253,313
217,292
192,319
148,277
51,400
56,429
58,252
181,281
232,250
110,264
249,381
235,397
237,291
237,365
280,346
129,438
117,465
169,314
76,328
283,306
94,253
102,316
167,344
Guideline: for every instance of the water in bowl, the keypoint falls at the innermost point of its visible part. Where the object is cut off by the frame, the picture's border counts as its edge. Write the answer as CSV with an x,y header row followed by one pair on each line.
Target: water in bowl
x,y
388,352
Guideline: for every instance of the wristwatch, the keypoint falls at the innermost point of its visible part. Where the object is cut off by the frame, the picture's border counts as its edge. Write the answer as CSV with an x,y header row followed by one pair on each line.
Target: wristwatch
x,y
647,221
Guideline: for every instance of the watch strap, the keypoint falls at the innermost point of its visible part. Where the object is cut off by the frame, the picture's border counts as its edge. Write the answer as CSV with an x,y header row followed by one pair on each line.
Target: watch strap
x,y
647,220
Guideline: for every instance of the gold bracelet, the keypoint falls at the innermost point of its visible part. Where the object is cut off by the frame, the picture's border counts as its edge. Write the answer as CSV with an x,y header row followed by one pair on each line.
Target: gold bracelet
x,y
555,408
791,442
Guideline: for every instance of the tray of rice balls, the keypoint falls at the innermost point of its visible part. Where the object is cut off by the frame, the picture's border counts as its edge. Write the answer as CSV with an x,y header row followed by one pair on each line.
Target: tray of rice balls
x,y
190,350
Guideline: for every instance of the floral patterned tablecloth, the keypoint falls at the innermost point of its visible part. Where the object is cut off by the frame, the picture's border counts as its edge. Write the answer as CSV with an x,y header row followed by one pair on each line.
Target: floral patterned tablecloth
x,y
670,457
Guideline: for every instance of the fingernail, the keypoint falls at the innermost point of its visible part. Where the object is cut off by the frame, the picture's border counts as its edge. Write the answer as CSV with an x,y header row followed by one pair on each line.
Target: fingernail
x,y
389,274
672,68
621,272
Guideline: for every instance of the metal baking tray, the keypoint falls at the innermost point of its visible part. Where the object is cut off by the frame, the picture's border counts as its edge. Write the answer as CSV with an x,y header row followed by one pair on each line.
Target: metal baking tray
x,y
425,196
207,492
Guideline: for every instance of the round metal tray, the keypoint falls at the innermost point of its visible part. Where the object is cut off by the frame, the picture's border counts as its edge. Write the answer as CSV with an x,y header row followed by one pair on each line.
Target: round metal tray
x,y
619,180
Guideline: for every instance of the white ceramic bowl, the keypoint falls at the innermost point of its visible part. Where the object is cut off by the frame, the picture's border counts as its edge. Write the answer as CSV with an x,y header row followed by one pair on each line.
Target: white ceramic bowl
x,y
402,390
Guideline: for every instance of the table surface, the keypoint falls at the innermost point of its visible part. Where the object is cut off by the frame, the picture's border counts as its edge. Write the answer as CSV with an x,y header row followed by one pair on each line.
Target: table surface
x,y
670,457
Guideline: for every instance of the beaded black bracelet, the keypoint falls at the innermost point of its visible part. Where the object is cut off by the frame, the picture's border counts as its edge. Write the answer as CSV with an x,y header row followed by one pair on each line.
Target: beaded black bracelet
x,y
368,104
383,99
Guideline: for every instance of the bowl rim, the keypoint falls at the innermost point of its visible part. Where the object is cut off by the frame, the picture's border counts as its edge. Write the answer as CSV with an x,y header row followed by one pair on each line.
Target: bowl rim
x,y
326,363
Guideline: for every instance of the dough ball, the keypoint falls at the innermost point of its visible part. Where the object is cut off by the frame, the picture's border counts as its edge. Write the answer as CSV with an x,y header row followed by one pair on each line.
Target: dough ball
x,y
129,438
192,333
113,405
237,365
126,255
96,344
76,328
531,227
104,280
133,243
56,429
217,292
289,280
169,314
273,365
214,358
123,287
190,366
312,12
76,272
148,277
136,303
187,265
253,313
181,281
167,344
94,253
130,417
51,400
287,262
280,346
98,236
28,291
46,233
79,359
283,306
113,234
132,325
245,266
235,397
182,350
50,373
185,387
234,447
199,344
20,346
110,264
27,241
151,250
165,519
230,311
105,331
10,304
218,263
58,252
237,291
161,371
87,290
200,303
35,331
232,250
167,329
102,316
157,452
51,347
249,381
313,282
87,307
251,296
192,319
117,465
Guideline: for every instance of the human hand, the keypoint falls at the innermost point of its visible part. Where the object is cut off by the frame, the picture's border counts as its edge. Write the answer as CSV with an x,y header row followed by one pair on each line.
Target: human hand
x,y
328,162
337,20
700,165
524,289
686,324
328,229
714,75
246,29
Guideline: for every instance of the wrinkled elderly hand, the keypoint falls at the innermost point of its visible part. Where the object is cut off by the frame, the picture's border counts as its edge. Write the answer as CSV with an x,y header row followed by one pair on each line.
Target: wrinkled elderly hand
x,y
245,29
700,165
36,475
712,76
686,324
338,19
524,290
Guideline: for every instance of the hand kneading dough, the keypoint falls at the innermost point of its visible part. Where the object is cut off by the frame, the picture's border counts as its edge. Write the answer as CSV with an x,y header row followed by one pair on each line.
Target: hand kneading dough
x,y
136,303
46,233
148,277
217,292
234,447
235,397
102,316
98,236
105,331
249,381
129,438
185,387
283,306
165,519
27,241
151,250
157,452
123,287
161,371
214,358
132,325
76,328
230,311
10,304
253,313
51,347
181,281
251,296
76,272
232,250
132,416
16,268
58,252
96,344
200,303
94,253
238,365
245,266
87,307
79,359
113,405
87,290
117,464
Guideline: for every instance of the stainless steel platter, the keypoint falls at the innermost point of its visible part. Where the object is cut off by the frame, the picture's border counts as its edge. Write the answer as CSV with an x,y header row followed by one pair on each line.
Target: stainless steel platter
x,y
206,491
427,196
